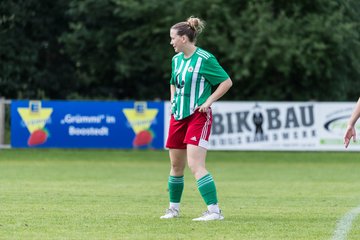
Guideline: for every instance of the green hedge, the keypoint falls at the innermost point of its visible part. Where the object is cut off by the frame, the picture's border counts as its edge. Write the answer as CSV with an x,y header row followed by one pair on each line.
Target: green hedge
x,y
119,49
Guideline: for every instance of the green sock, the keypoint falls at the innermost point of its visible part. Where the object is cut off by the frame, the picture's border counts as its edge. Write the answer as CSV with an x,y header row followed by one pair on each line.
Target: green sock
x,y
207,189
176,187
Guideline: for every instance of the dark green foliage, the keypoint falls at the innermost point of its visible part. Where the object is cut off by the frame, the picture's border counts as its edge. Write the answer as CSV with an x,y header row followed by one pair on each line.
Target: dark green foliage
x,y
32,64
298,52
119,49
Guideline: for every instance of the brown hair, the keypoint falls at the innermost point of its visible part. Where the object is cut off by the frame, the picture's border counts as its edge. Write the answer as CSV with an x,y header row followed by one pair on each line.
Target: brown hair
x,y
192,27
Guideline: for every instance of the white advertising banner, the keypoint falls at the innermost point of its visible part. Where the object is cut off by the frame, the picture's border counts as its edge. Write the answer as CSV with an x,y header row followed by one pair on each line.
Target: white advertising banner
x,y
293,126
332,119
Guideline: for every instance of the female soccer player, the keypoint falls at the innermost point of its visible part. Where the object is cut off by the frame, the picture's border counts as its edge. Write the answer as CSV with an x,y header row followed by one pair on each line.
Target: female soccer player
x,y
194,72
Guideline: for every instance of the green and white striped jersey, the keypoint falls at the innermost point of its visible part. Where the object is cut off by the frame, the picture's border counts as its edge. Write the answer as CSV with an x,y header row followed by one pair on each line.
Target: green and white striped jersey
x,y
193,78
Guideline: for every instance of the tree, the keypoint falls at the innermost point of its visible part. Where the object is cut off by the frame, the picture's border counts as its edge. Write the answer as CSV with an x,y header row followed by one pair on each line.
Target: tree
x,y
119,49
32,64
290,50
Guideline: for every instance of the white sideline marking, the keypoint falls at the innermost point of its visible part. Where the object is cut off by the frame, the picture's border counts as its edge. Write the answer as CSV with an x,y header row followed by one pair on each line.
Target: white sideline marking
x,y
343,227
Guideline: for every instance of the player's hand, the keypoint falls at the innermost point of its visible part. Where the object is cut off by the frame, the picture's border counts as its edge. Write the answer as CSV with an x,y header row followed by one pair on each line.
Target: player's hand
x,y
172,107
205,107
349,133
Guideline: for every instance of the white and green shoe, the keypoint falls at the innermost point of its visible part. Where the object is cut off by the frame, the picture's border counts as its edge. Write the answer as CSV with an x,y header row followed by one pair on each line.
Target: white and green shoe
x,y
210,216
171,213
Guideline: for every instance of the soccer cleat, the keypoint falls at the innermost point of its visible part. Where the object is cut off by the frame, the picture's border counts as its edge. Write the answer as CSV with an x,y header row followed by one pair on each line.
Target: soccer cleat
x,y
170,213
209,216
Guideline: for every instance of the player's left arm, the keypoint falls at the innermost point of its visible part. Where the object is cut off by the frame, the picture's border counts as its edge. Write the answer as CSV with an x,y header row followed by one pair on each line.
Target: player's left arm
x,y
218,93
350,131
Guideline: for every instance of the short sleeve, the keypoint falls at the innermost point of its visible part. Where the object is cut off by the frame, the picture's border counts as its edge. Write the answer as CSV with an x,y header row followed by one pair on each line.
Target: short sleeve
x,y
213,72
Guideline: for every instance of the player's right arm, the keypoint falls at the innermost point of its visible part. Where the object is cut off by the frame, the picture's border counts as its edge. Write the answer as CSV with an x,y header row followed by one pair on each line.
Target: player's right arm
x,y
172,92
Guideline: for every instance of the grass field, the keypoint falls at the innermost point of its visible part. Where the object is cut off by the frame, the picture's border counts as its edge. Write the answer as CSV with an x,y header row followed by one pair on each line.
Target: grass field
x,y
108,194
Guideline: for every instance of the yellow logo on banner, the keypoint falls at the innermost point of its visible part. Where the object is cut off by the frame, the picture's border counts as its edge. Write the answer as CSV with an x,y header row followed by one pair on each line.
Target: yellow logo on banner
x,y
34,117
140,117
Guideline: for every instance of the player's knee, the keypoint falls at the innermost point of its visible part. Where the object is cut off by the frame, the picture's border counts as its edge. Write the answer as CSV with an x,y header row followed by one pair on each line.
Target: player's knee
x,y
194,168
177,168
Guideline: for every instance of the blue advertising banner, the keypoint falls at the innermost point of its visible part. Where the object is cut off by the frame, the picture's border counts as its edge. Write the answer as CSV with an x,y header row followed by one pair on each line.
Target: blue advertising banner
x,y
87,124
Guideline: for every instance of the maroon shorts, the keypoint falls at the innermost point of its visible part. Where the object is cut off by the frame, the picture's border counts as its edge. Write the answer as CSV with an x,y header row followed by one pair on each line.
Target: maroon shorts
x,y
194,130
